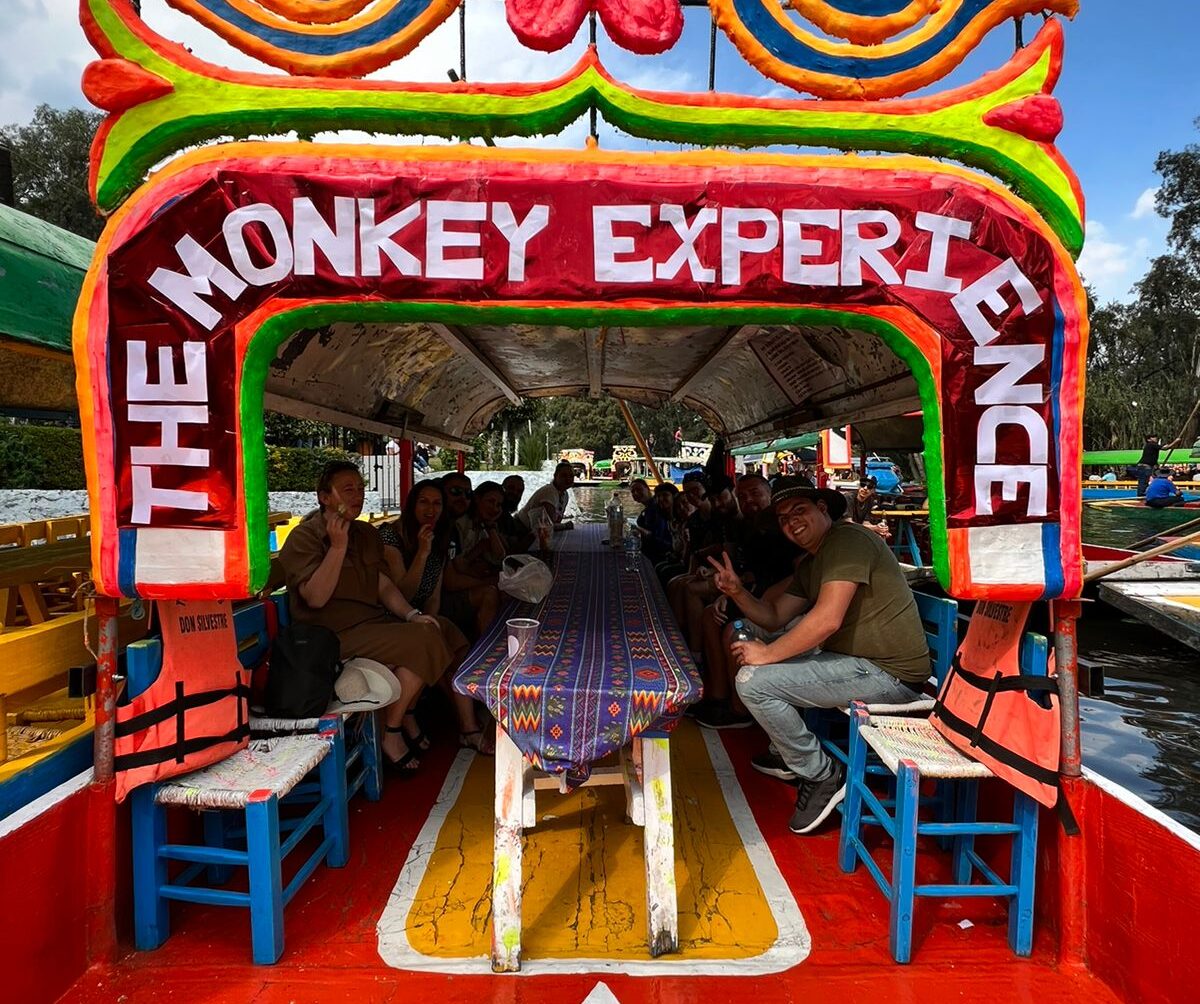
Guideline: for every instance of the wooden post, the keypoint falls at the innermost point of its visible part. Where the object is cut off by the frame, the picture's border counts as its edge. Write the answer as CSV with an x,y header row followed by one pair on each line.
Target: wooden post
x,y
101,846
637,438
462,462
1071,870
506,856
406,470
662,916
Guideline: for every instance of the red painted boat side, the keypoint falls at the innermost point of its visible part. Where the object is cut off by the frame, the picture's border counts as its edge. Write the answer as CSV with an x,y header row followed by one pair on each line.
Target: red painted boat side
x,y
1141,883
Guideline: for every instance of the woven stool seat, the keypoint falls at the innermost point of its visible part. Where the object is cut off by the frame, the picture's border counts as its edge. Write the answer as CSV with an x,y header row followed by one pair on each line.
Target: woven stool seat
x,y
262,728
896,738
273,765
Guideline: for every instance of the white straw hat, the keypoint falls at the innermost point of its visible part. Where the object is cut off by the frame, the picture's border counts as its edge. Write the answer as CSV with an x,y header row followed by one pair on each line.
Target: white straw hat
x,y
363,685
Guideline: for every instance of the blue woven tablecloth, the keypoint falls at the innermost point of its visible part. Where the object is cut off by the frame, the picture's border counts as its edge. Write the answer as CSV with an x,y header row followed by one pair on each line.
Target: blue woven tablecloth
x,y
609,662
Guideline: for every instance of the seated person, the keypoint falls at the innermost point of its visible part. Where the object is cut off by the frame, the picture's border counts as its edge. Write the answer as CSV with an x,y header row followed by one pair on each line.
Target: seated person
x,y
1162,492
337,577
1109,475
469,598
517,536
481,547
860,507
861,638
692,590
551,499
654,521
693,530
764,558
416,548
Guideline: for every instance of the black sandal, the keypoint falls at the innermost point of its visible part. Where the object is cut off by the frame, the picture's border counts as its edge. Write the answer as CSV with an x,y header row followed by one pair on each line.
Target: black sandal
x,y
420,741
408,764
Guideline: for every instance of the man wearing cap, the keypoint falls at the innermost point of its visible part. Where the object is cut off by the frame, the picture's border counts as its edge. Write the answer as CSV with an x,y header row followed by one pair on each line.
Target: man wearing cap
x,y
860,639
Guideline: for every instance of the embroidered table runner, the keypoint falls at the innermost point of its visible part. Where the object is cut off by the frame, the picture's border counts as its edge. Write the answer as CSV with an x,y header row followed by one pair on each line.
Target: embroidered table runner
x,y
608,663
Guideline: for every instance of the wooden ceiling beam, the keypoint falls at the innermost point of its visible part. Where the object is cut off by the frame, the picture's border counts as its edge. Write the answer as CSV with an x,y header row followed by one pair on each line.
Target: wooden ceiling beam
x,y
739,335
461,343
297,408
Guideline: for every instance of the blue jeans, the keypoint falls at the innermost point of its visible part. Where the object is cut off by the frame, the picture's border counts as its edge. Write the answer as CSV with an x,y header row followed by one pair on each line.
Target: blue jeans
x,y
1143,476
775,694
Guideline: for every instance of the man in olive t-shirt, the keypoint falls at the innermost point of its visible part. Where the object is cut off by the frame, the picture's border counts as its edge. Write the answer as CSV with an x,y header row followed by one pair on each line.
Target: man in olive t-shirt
x,y
860,614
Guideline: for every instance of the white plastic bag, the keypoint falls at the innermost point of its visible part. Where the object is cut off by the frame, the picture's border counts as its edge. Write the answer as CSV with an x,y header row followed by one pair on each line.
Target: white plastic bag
x,y
525,578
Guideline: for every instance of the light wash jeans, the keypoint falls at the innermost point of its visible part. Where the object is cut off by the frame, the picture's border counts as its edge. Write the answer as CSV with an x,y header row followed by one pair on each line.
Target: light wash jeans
x,y
775,694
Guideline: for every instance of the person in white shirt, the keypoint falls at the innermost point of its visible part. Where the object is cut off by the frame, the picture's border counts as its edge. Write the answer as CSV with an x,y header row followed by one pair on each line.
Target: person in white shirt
x,y
551,499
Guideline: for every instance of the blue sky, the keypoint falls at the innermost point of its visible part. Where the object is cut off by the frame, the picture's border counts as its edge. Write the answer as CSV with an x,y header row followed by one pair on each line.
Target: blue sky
x,y
1130,88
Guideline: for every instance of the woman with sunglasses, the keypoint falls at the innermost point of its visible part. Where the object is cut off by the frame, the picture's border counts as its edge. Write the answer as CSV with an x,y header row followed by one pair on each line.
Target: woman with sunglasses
x,y
416,547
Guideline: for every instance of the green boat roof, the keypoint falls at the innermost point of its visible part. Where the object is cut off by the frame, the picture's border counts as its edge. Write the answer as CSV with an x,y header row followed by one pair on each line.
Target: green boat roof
x,y
778,445
41,272
1124,458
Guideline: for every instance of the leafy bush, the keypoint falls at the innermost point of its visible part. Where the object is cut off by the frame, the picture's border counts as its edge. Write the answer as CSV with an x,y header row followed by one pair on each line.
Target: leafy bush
x,y
297,468
41,457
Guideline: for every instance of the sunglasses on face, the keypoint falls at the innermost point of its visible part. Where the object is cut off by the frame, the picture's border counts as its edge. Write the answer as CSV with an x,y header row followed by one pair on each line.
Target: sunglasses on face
x,y
458,492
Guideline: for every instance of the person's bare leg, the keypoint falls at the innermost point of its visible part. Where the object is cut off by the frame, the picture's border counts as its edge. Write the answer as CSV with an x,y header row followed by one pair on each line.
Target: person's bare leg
x,y
716,676
677,595
394,743
698,595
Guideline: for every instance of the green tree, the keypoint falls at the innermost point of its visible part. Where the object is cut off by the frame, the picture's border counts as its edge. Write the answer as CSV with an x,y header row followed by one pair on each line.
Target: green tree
x,y
50,167
1144,363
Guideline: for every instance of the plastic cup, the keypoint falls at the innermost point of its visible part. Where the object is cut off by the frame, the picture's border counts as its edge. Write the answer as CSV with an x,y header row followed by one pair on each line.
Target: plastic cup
x,y
521,633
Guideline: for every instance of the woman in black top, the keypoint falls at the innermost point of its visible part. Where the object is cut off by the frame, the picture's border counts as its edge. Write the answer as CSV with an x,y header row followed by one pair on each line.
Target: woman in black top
x,y
416,548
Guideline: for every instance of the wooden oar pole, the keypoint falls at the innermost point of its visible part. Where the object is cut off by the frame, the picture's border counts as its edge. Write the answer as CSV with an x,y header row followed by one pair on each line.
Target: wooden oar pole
x,y
1174,530
637,438
1154,552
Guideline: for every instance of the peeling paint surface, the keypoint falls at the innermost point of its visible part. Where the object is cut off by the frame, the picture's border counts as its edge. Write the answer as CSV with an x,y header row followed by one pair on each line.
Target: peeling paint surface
x,y
584,888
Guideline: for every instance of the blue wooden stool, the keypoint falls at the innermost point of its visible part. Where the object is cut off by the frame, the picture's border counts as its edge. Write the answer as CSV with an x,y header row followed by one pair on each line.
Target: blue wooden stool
x,y
251,783
911,748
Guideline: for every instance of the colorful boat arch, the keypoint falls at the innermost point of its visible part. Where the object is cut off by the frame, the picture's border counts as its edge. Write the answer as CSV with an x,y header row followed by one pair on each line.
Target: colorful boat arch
x,y
225,253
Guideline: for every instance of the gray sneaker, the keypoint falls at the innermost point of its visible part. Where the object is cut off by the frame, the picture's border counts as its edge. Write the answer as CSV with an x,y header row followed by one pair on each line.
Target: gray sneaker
x,y
772,765
817,799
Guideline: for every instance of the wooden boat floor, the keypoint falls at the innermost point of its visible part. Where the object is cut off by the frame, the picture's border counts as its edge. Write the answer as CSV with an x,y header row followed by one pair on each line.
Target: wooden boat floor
x,y
332,951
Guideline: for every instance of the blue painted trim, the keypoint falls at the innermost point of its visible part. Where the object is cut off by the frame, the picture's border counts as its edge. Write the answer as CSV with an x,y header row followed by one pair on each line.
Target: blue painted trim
x,y
868,8
756,16
394,22
127,562
44,776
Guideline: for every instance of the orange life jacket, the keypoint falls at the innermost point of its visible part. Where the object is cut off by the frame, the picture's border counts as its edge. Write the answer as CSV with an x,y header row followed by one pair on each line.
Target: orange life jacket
x,y
196,711
994,713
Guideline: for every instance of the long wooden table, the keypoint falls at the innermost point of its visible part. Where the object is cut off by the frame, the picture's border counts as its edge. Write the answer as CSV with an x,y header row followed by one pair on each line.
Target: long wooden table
x,y
608,667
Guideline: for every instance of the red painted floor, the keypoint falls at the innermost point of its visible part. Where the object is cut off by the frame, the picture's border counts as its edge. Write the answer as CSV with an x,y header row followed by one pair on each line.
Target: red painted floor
x,y
331,955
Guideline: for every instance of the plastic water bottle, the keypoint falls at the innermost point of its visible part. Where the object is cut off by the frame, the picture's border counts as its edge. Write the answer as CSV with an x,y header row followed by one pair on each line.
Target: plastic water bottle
x,y
633,550
616,522
741,631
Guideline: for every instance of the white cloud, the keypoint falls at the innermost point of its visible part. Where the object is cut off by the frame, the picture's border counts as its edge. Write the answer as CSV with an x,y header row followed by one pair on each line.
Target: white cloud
x,y
1106,264
1145,205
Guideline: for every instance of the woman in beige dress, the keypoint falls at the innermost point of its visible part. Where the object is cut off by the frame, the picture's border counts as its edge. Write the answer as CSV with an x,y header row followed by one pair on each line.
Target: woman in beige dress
x,y
337,577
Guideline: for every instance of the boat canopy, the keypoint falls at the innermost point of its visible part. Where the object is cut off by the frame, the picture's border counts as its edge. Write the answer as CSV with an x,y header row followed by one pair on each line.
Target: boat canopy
x,y
41,268
1126,458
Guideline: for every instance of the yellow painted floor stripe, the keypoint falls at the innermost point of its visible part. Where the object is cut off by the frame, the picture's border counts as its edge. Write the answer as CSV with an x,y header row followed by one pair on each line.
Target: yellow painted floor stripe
x,y
584,876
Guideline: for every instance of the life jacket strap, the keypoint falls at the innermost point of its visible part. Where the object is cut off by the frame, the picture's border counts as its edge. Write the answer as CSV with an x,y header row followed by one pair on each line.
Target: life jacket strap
x,y
176,707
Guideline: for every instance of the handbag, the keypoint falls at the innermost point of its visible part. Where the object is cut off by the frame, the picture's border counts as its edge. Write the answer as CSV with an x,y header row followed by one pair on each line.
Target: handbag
x,y
525,578
305,662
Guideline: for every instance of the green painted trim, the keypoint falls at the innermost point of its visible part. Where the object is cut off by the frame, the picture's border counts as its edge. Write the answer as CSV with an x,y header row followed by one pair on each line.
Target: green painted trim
x,y
201,108
266,342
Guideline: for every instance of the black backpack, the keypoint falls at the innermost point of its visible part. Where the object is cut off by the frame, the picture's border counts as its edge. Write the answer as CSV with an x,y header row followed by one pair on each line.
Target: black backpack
x,y
305,662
